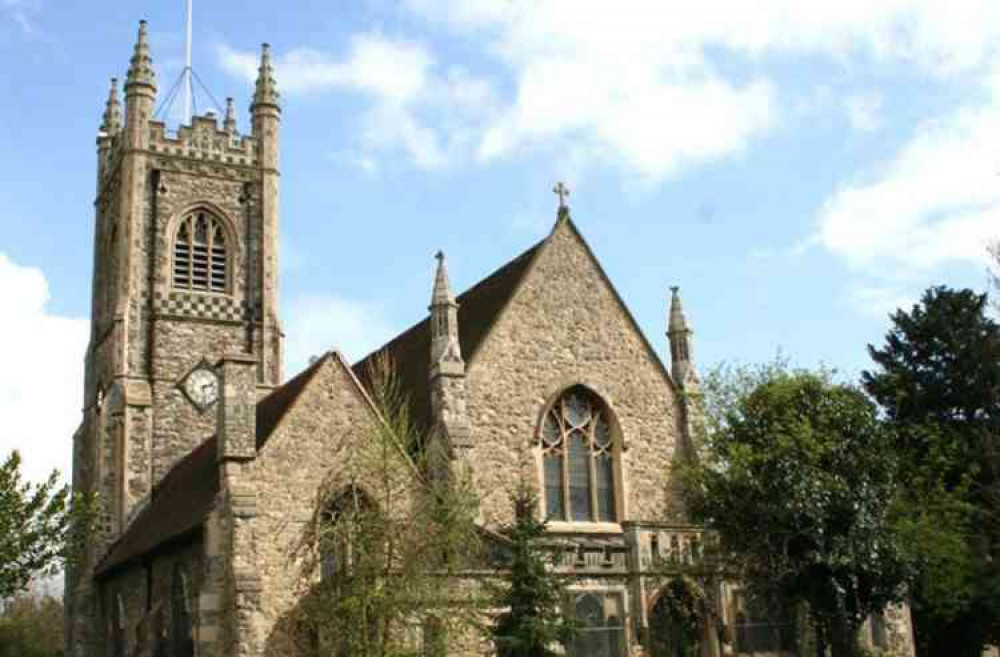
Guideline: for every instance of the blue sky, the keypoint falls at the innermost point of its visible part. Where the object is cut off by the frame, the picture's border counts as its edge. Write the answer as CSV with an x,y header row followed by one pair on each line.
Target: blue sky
x,y
799,169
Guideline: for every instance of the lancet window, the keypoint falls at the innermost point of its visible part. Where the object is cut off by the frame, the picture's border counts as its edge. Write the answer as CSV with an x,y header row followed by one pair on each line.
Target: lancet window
x,y
181,635
349,531
578,453
201,259
600,622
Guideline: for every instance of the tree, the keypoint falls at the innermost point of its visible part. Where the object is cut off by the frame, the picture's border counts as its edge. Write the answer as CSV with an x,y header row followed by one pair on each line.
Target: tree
x,y
533,596
31,626
797,480
383,560
36,523
937,378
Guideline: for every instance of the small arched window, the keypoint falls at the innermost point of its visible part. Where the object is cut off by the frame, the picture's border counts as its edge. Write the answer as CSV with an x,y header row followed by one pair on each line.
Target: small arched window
x,y
181,636
116,626
350,530
579,459
201,260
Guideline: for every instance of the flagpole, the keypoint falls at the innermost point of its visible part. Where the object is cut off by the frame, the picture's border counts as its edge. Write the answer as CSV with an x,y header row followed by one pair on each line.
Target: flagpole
x,y
188,89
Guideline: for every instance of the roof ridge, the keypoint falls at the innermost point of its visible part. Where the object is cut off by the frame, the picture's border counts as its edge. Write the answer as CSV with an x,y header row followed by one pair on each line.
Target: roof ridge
x,y
272,408
475,286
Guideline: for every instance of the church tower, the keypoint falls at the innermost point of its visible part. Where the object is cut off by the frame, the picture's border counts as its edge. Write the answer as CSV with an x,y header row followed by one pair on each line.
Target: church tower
x,y
185,270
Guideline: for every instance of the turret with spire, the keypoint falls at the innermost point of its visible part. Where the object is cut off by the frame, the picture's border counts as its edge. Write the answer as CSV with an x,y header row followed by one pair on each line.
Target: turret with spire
x,y
229,123
111,125
681,353
447,368
111,122
140,91
266,123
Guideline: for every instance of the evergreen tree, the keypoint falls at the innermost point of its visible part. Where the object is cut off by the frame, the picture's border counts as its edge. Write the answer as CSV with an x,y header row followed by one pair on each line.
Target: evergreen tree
x,y
533,598
937,378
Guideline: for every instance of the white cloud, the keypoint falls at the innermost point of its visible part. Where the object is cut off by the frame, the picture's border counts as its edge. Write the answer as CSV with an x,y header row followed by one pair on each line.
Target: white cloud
x,y
634,85
937,201
878,301
864,111
317,323
19,11
428,112
42,376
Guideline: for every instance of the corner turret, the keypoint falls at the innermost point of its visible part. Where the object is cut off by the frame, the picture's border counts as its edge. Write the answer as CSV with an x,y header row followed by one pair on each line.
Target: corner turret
x,y
140,91
266,123
229,124
447,368
111,122
681,352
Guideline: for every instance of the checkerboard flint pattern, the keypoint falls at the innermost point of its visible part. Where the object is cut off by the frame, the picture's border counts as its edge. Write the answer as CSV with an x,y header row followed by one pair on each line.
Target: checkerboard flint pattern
x,y
202,306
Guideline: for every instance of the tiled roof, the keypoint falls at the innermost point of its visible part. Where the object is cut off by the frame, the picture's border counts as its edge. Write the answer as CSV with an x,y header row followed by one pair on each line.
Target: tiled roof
x,y
478,308
183,499
177,508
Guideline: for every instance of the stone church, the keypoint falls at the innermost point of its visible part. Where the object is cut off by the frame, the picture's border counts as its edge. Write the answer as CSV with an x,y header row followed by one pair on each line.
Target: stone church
x,y
206,460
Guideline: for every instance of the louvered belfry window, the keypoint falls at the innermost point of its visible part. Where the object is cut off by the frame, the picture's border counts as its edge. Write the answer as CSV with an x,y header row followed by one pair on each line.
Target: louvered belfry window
x,y
200,258
578,459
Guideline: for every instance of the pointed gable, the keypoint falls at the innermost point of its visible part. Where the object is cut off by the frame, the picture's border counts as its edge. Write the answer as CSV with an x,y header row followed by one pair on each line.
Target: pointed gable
x,y
180,503
565,222
479,306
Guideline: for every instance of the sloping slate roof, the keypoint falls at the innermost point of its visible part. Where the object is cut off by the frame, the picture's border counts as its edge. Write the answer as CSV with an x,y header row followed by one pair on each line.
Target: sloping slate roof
x,y
272,408
182,500
410,351
179,505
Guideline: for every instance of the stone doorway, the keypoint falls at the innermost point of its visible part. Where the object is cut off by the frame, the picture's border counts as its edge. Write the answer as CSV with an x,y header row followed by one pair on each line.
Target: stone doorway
x,y
675,622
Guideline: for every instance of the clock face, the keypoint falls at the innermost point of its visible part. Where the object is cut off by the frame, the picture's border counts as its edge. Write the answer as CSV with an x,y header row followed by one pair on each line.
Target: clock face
x,y
202,387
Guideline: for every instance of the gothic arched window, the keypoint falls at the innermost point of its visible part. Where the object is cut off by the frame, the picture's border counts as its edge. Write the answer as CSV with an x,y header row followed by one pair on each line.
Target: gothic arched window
x,y
181,636
578,453
350,529
116,626
600,623
201,260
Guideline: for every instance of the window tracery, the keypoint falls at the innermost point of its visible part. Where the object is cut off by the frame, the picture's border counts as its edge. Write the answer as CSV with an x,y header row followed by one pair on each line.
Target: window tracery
x,y
201,260
578,459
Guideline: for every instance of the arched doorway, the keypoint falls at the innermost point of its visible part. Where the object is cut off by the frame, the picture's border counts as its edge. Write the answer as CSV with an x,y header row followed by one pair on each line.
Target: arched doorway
x,y
674,622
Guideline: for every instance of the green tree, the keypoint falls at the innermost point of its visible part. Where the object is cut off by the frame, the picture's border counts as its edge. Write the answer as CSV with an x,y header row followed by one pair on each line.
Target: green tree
x,y
383,560
937,378
533,596
797,479
35,527
31,626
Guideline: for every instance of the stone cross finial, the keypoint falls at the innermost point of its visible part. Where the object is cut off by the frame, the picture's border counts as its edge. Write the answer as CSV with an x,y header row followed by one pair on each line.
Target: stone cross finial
x,y
562,191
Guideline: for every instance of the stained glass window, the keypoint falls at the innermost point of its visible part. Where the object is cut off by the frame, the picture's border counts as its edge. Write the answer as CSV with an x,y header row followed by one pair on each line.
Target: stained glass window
x,y
579,459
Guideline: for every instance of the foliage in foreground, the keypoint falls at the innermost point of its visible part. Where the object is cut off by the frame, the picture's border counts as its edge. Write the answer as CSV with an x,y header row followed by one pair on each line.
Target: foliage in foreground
x,y
532,596
31,626
382,558
798,479
937,378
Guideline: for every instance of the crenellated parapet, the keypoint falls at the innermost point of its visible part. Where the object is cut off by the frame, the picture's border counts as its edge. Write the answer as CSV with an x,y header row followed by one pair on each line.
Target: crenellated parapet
x,y
206,140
